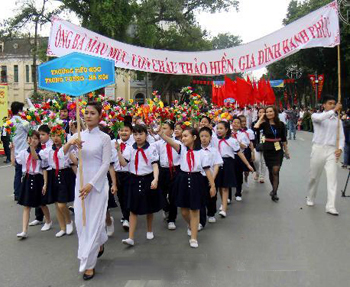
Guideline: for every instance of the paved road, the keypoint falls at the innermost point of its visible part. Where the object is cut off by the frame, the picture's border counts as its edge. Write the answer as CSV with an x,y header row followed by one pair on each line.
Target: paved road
x,y
260,244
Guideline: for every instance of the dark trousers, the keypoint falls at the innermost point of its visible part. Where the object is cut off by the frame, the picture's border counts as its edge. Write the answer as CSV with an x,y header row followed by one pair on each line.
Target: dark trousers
x,y
209,208
123,180
239,176
39,215
166,185
17,180
6,144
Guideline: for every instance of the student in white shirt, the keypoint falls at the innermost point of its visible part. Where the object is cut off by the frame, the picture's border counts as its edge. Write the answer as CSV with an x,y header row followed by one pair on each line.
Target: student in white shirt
x,y
144,197
189,184
33,186
125,140
326,152
20,142
169,161
215,161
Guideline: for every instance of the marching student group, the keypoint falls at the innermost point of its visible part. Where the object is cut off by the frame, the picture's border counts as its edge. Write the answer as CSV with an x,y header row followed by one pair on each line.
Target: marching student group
x,y
169,167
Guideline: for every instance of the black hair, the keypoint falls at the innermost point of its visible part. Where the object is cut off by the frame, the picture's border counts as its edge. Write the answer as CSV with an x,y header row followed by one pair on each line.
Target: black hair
x,y
35,133
197,142
241,117
16,107
206,117
104,129
227,126
44,128
75,124
327,98
128,125
139,129
170,123
276,119
206,129
127,119
96,106
179,124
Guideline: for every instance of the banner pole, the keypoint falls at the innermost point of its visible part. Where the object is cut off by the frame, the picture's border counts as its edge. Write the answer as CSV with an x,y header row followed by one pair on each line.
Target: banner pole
x,y
81,182
339,96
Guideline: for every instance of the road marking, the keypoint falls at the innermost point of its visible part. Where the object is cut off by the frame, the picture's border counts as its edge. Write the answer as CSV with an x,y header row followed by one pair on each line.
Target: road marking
x,y
5,166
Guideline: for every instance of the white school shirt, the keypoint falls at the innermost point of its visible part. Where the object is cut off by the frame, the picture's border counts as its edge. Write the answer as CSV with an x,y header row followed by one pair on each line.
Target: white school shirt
x,y
325,129
242,138
20,137
22,157
152,138
228,147
214,158
144,167
47,157
201,161
117,166
214,140
163,155
250,133
48,145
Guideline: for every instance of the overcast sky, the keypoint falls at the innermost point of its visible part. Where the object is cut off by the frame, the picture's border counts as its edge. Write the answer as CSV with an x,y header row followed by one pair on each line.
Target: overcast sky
x,y
255,19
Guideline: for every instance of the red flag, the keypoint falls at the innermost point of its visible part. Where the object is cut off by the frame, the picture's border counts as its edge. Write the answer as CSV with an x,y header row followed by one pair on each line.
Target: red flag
x,y
214,94
251,99
221,95
231,89
320,85
256,94
271,98
244,90
263,90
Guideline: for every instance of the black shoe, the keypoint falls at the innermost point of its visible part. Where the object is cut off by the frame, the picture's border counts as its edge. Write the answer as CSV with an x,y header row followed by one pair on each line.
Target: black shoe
x,y
274,196
7,161
89,277
100,253
71,209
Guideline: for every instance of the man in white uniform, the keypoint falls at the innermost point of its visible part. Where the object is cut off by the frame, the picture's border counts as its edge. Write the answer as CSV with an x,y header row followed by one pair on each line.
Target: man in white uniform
x,y
325,152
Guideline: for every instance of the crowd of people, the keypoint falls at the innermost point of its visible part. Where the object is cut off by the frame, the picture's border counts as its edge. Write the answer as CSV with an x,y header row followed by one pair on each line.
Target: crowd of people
x,y
163,166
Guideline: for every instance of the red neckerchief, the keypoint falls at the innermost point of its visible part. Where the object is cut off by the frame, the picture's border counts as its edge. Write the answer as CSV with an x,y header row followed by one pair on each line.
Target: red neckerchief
x,y
234,135
30,160
220,141
246,133
137,158
169,151
43,146
190,159
122,147
56,161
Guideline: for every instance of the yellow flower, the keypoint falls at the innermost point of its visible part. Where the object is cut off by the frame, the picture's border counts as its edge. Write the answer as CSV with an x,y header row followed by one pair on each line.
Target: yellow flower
x,y
8,122
187,123
131,101
161,104
196,102
83,111
29,118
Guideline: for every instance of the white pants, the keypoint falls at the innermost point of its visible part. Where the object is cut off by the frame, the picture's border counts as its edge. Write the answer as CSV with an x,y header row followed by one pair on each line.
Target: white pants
x,y
323,157
260,163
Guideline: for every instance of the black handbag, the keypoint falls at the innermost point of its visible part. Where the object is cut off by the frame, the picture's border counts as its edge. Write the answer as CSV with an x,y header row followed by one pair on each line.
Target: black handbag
x,y
259,147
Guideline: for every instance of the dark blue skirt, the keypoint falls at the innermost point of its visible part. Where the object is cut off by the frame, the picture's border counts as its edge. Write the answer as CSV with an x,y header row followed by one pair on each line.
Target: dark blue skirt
x,y
49,197
111,199
31,190
141,198
189,190
226,176
63,185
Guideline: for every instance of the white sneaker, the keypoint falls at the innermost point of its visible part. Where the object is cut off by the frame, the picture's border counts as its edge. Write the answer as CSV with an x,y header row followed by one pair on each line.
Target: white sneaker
x,y
212,219
128,241
222,214
309,202
171,226
47,226
220,208
332,211
200,227
126,225
228,201
60,233
238,198
69,228
189,233
35,222
193,243
110,228
261,179
149,235
22,235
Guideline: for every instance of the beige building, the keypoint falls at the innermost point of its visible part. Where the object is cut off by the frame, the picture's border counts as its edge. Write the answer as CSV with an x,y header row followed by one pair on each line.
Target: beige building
x,y
16,70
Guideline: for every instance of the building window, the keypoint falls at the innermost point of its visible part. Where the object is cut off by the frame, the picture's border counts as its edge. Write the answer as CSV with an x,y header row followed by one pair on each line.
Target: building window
x,y
33,74
27,73
3,74
15,73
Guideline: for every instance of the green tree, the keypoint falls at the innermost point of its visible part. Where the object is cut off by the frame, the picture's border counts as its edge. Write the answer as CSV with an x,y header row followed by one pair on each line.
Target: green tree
x,y
30,14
